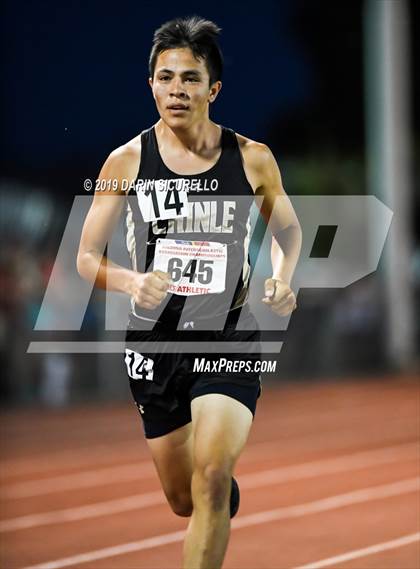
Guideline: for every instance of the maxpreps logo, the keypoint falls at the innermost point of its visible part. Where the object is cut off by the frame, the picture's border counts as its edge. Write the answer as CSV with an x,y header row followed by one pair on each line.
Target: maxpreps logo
x,y
179,184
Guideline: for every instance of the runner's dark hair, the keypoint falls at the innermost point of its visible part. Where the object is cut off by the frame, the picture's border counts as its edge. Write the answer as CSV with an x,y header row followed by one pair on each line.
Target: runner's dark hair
x,y
198,34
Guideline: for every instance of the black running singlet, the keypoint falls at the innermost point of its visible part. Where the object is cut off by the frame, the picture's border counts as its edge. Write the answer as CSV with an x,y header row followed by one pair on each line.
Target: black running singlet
x,y
195,227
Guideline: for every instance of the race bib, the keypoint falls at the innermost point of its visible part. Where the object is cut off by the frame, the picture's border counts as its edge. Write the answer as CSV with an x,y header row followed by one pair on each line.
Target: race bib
x,y
195,267
162,199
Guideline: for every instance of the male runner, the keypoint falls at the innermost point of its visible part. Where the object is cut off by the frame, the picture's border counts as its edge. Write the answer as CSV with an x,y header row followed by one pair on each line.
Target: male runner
x,y
188,185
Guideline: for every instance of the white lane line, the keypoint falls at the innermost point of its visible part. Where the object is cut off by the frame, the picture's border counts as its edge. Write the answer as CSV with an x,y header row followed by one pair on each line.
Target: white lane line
x,y
144,469
110,507
355,497
87,479
74,457
41,462
344,463
247,481
132,547
330,503
356,553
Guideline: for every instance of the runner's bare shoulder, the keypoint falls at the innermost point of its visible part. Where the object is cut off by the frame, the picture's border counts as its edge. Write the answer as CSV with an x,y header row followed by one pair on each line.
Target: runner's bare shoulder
x,y
123,165
256,157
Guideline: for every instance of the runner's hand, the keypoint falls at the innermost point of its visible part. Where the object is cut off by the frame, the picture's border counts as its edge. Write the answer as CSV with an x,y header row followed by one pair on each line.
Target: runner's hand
x,y
149,289
279,297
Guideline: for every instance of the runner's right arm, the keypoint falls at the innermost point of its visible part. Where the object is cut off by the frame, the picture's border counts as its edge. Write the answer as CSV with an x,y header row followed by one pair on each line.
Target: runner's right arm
x,y
148,289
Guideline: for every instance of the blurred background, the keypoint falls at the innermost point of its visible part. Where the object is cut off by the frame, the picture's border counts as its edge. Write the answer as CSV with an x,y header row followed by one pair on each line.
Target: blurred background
x,y
330,87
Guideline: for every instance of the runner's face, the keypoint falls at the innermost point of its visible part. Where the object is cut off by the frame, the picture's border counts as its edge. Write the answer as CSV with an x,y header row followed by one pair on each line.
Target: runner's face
x,y
181,88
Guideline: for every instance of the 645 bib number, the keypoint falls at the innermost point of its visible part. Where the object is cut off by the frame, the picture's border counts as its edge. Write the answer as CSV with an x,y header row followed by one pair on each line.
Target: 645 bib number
x,y
195,267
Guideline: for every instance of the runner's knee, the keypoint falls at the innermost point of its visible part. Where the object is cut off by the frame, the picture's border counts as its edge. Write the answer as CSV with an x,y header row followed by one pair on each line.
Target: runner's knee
x,y
214,482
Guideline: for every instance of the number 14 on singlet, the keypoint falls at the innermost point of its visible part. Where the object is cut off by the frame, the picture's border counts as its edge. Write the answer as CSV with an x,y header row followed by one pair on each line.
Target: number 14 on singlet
x,y
159,202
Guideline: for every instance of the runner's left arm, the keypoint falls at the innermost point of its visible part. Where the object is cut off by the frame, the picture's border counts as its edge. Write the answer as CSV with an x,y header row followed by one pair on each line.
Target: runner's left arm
x,y
281,219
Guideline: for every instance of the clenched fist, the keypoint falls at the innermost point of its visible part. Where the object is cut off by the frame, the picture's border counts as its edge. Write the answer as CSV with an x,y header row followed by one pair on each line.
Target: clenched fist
x,y
149,289
279,297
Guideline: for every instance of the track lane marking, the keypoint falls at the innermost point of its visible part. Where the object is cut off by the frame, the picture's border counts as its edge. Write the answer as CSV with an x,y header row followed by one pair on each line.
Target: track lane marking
x,y
299,510
21,464
364,552
354,461
247,481
78,480
128,472
80,513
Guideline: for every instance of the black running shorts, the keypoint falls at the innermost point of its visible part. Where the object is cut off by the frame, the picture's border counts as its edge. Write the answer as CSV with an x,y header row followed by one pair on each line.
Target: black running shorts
x,y
164,380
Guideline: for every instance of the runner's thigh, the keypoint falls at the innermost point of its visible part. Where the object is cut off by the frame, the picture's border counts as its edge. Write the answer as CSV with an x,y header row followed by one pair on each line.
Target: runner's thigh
x,y
221,426
172,455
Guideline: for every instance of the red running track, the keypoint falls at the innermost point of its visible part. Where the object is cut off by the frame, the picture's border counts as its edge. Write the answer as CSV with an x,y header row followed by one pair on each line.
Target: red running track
x,y
329,478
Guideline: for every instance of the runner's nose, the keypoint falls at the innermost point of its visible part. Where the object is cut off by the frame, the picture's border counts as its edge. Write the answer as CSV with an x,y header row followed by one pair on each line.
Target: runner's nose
x,y
178,89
